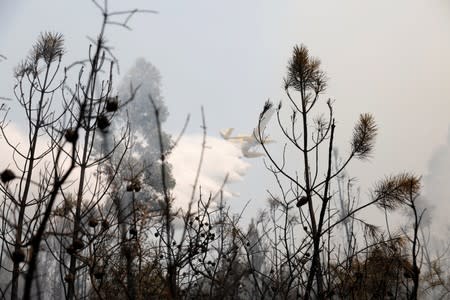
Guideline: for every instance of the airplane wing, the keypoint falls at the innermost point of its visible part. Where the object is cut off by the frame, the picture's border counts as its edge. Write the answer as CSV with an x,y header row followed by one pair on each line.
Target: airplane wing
x,y
246,146
252,154
241,138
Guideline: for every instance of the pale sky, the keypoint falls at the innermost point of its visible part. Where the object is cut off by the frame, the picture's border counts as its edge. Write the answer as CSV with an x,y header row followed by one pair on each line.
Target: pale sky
x,y
390,58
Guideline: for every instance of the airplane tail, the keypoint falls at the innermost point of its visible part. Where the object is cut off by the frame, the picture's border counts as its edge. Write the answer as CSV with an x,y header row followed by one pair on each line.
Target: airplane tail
x,y
226,133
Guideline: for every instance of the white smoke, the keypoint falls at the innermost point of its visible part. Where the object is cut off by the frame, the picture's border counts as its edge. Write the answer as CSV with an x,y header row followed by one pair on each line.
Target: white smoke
x,y
221,159
16,138
437,190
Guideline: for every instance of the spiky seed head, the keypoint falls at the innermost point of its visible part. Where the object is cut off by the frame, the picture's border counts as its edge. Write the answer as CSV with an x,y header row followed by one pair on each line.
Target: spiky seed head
x,y
364,135
267,105
24,68
49,47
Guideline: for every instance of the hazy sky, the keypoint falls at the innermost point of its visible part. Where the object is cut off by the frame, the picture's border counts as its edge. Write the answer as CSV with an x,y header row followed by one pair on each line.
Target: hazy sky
x,y
390,58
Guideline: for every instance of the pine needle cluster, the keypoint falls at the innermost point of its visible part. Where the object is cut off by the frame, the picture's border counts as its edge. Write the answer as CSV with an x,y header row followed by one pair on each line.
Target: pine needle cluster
x,y
364,134
395,191
304,72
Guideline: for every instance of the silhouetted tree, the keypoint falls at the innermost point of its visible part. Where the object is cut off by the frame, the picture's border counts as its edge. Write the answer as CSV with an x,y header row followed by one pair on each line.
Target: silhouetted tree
x,y
311,193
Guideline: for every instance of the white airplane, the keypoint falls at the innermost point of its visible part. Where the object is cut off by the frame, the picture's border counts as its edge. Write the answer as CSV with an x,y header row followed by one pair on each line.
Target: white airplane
x,y
256,138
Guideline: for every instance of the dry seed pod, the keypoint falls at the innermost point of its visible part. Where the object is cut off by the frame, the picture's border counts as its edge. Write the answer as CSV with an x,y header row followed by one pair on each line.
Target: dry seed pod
x,y
130,187
137,186
302,201
133,231
105,225
18,256
7,176
103,122
112,104
71,135
93,222
98,274
78,244
69,277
